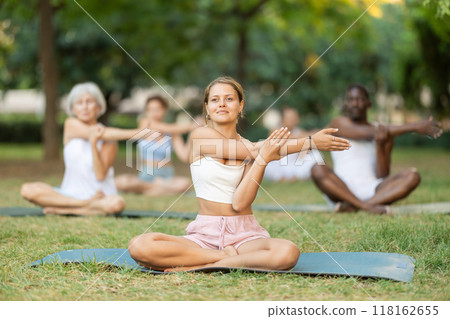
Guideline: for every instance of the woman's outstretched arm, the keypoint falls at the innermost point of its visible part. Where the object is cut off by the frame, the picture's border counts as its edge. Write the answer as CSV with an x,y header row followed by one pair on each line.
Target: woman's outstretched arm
x,y
168,128
74,128
208,142
322,141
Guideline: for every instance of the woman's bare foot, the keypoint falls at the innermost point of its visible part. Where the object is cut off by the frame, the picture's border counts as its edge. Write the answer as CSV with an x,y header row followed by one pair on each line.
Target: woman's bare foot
x,y
230,251
95,197
180,269
56,210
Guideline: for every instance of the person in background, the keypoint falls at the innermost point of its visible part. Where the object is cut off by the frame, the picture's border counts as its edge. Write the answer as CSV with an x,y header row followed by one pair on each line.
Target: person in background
x,y
89,151
157,174
296,166
360,179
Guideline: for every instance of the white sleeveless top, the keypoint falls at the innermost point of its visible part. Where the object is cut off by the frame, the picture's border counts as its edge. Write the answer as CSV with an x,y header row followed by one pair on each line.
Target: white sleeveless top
x,y
79,177
215,181
357,165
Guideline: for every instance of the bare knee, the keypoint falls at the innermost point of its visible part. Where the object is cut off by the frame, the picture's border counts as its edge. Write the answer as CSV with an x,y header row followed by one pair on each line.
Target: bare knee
x,y
25,191
134,247
116,204
286,256
141,247
123,181
413,177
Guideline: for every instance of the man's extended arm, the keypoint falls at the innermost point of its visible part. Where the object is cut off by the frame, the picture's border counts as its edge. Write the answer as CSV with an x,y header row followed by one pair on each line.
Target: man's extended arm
x,y
349,129
384,136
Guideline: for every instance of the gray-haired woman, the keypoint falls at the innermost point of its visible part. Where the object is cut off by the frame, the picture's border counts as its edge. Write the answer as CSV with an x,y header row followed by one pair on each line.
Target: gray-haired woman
x,y
89,151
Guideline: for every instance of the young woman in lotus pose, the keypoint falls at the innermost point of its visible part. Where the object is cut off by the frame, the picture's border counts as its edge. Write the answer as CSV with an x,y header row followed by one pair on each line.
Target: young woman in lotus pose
x,y
157,175
226,171
89,152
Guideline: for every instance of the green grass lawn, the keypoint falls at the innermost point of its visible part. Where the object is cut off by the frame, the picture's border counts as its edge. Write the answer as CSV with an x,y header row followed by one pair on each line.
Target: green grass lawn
x,y
23,240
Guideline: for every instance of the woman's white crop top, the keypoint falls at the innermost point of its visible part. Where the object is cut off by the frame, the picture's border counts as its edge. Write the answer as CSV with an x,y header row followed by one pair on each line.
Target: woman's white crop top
x,y
215,181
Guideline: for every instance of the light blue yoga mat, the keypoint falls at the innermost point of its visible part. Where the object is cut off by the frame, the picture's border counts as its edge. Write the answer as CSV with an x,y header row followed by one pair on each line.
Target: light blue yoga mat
x,y
358,264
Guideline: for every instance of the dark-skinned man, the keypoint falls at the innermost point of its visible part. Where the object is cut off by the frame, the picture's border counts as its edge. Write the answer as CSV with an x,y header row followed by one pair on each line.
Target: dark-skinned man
x,y
360,179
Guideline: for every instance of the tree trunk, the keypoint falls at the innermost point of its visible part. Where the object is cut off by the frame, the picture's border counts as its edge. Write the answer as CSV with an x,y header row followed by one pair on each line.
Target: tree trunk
x,y
435,57
50,80
242,53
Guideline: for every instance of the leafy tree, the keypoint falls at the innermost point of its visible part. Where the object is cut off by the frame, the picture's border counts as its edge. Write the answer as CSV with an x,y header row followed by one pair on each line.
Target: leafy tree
x,y
430,65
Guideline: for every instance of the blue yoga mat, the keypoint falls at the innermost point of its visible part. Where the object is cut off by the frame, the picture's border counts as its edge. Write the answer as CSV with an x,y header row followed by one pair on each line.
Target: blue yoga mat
x,y
37,211
428,208
359,264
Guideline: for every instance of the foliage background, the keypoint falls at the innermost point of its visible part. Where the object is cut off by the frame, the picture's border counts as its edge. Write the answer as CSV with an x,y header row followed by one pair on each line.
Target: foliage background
x,y
397,47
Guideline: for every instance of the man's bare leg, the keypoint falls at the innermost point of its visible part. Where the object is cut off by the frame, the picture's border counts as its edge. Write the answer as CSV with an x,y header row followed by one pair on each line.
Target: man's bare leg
x,y
264,253
396,187
332,186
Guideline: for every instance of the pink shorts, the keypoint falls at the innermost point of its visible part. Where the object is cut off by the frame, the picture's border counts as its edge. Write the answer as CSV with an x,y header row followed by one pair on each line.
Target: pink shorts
x,y
217,232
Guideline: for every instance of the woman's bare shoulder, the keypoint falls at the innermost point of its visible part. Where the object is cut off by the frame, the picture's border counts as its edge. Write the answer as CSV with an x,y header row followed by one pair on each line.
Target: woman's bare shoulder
x,y
205,132
70,121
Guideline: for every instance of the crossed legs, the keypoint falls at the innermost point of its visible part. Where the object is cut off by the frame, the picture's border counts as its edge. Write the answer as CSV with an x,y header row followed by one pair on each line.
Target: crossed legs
x,y
390,190
53,202
396,187
163,252
159,187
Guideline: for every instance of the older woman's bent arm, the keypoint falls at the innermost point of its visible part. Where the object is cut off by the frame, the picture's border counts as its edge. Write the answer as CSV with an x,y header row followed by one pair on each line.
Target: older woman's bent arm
x,y
74,128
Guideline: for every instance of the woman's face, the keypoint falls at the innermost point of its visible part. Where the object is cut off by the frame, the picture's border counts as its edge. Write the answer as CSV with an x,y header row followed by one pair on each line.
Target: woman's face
x,y
223,104
86,108
155,111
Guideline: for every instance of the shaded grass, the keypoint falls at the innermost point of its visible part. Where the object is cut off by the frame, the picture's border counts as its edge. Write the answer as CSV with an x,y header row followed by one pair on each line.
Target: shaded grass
x,y
21,151
424,237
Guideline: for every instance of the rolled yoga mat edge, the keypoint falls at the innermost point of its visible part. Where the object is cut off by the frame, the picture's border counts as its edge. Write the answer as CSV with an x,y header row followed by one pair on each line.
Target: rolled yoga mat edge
x,y
395,267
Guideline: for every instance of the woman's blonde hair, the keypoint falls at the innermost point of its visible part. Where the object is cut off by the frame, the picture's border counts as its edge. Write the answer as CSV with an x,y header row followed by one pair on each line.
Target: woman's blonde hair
x,y
223,80
82,88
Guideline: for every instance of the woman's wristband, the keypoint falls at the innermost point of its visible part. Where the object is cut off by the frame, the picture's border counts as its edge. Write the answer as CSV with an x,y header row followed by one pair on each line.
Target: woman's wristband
x,y
310,147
